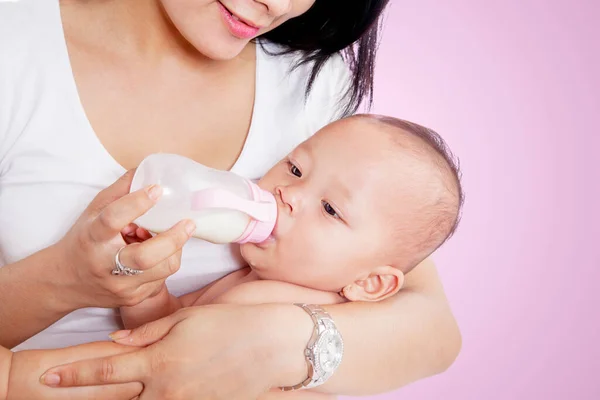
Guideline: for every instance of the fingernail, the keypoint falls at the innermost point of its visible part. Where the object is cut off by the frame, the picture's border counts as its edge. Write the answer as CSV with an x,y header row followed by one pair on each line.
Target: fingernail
x,y
120,334
50,379
190,227
154,192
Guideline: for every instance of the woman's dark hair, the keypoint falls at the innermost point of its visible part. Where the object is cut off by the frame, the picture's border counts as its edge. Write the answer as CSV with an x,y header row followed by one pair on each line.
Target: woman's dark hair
x,y
349,27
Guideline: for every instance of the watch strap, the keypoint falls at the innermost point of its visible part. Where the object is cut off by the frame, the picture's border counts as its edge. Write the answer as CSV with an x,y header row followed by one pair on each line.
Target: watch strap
x,y
321,321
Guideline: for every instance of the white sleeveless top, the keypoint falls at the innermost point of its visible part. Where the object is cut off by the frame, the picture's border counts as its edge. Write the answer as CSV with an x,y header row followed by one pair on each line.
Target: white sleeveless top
x,y
52,163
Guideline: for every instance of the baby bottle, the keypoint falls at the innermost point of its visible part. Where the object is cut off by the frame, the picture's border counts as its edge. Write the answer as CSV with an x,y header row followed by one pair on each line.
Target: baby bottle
x,y
225,207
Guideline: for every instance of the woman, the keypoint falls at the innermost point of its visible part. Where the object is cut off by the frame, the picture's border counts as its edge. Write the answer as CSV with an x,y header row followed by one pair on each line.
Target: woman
x,y
88,89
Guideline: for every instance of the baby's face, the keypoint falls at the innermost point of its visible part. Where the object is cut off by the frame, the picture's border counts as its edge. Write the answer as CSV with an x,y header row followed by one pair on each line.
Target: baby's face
x,y
334,208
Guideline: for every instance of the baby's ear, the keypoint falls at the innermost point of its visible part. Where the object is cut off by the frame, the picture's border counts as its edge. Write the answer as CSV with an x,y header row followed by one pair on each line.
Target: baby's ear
x,y
382,282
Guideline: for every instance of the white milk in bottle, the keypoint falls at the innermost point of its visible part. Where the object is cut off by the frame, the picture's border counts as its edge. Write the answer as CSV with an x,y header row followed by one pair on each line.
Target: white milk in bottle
x,y
226,207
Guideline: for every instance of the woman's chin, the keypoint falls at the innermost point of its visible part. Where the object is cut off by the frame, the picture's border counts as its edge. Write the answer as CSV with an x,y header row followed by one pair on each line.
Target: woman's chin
x,y
223,48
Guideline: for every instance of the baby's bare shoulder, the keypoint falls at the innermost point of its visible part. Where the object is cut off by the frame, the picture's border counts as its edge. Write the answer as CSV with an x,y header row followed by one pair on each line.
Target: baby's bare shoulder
x,y
265,291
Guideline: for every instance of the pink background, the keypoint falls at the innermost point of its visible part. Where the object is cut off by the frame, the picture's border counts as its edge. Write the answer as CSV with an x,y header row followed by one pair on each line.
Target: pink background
x,y
514,87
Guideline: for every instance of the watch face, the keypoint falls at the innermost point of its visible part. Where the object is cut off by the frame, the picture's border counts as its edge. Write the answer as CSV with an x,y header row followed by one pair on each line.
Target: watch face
x,y
329,351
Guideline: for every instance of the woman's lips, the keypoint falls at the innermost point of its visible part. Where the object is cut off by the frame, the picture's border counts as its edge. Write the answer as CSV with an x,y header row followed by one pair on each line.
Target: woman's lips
x,y
236,26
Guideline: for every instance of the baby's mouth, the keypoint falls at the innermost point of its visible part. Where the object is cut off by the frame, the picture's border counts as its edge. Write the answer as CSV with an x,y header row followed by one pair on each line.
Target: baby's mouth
x,y
266,243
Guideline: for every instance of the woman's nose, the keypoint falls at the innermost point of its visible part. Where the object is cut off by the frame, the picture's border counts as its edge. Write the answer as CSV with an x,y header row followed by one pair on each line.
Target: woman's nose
x,y
276,8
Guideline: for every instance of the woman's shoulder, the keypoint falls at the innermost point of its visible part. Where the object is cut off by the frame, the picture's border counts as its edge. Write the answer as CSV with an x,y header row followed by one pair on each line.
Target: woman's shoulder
x,y
288,80
24,20
29,40
333,77
28,31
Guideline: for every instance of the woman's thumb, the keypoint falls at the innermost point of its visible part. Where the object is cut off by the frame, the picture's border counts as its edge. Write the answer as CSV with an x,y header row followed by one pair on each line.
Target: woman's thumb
x,y
148,333
115,191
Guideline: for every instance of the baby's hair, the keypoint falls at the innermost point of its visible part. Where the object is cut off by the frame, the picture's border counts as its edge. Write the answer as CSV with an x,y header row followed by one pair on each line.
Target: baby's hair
x,y
446,213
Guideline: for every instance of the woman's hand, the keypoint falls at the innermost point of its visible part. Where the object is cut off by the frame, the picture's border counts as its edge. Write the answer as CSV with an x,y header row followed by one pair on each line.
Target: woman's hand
x,y
233,351
87,252
209,352
27,366
76,271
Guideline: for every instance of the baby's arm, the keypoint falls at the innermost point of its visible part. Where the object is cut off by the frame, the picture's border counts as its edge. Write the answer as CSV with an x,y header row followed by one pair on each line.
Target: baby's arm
x,y
258,291
164,303
230,290
151,309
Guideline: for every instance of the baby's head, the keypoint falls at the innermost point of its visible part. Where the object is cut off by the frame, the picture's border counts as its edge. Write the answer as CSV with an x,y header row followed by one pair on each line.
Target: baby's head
x,y
360,204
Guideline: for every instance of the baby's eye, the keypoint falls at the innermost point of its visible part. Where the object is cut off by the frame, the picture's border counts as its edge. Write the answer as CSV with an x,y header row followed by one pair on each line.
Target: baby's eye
x,y
294,170
329,209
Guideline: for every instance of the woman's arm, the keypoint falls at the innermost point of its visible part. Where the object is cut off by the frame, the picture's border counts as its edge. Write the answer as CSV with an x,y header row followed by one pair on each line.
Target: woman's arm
x,y
297,395
31,297
253,348
76,271
389,344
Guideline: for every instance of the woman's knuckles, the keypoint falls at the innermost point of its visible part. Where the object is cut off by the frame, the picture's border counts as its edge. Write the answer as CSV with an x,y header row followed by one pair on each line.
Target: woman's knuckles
x,y
173,264
106,373
123,291
109,219
159,361
69,377
176,238
130,302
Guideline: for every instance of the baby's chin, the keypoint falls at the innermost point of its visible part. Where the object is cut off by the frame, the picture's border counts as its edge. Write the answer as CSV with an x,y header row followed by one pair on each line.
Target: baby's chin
x,y
262,259
255,254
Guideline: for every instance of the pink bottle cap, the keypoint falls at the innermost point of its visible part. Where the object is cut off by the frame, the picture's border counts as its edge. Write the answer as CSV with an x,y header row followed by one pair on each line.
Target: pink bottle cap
x,y
259,229
262,209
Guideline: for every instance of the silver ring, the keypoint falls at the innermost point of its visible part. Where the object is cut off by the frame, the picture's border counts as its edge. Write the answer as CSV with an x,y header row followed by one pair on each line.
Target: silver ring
x,y
121,269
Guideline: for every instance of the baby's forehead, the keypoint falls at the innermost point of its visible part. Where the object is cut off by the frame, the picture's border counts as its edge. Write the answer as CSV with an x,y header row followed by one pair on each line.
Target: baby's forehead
x,y
360,138
395,166
372,133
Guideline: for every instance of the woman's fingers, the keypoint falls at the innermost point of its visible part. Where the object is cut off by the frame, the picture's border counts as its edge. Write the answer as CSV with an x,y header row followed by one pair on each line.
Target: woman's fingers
x,y
117,215
149,333
133,366
91,350
158,256
123,391
28,366
123,368
117,190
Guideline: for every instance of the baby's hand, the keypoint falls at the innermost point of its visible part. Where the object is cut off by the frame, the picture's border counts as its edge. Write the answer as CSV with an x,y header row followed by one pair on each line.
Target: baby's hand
x,y
160,304
162,290
132,233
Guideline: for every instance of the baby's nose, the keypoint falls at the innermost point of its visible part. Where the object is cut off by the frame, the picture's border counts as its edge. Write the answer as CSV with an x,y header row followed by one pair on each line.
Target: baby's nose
x,y
290,198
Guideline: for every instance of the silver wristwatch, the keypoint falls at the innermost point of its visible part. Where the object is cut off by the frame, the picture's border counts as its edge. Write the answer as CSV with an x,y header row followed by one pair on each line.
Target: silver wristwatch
x,y
324,350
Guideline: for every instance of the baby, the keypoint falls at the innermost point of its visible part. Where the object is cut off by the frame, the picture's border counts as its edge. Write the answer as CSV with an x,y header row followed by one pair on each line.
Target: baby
x,y
360,204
